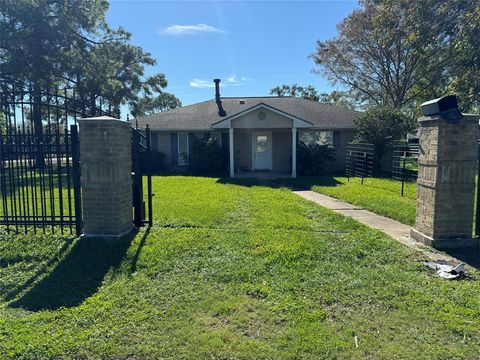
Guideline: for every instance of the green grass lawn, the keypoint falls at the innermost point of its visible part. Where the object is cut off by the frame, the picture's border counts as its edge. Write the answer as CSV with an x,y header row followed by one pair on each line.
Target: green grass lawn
x,y
382,196
231,271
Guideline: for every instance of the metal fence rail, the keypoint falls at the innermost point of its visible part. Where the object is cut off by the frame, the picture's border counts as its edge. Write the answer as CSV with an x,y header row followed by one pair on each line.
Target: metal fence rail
x,y
359,160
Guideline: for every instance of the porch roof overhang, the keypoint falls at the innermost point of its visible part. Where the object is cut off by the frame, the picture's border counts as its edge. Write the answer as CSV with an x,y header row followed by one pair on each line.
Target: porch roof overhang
x,y
296,122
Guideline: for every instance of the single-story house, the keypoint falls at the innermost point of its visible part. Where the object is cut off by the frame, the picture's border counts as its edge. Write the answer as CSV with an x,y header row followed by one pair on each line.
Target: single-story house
x,y
259,131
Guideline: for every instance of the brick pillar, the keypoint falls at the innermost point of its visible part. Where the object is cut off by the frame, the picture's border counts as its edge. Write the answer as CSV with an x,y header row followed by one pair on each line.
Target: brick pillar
x,y
447,166
105,156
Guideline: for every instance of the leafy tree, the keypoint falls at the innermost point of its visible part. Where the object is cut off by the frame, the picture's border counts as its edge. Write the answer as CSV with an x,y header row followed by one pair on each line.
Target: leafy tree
x,y
39,37
337,98
3,122
314,159
306,92
310,93
466,65
163,102
114,70
48,42
395,53
381,126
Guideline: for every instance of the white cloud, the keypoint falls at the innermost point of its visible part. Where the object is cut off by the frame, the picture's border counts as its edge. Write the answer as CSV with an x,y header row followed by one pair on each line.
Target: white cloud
x,y
190,29
199,83
232,80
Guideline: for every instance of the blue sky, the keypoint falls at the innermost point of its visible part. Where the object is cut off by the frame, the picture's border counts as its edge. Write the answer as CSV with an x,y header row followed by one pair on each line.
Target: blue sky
x,y
251,46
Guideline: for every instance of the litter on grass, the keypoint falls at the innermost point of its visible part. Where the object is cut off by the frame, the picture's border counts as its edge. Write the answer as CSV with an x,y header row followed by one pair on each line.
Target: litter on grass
x,y
446,271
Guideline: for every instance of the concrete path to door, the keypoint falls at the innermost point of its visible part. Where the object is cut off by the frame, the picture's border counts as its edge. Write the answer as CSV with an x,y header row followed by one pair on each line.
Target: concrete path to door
x,y
393,228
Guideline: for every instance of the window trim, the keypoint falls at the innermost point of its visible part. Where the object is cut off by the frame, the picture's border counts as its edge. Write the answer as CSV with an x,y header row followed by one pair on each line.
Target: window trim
x,y
179,160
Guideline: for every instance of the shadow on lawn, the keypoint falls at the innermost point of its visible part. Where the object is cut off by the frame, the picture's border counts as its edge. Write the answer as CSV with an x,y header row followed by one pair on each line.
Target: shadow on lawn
x,y
300,183
78,276
9,295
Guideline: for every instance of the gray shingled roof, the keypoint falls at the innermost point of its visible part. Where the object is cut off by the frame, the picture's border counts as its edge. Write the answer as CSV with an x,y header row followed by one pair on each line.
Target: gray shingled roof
x,y
202,115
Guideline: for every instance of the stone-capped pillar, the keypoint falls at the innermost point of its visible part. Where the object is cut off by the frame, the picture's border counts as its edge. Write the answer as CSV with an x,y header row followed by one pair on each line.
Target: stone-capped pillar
x,y
106,160
447,166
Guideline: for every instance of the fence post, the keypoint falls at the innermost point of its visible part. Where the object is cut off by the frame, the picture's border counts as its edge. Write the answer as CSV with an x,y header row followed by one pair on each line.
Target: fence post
x,y
477,209
137,190
403,171
364,170
76,180
149,176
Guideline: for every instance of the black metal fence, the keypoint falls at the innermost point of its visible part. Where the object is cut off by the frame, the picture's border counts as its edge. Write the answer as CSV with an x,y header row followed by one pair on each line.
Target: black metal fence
x,y
141,166
41,196
477,195
405,162
39,159
359,160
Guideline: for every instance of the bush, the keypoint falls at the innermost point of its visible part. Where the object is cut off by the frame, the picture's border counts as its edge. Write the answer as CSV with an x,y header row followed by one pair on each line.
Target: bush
x,y
207,157
156,161
380,126
314,159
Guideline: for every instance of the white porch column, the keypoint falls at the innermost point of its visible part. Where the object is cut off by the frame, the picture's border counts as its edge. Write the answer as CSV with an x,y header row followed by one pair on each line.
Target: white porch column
x,y
232,169
294,152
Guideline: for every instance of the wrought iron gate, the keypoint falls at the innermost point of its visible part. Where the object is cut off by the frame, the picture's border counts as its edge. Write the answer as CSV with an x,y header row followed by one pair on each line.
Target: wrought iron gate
x,y
39,159
141,166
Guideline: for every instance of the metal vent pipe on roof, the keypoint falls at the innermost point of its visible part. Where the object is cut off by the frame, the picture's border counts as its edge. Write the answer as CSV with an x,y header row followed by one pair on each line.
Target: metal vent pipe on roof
x,y
221,111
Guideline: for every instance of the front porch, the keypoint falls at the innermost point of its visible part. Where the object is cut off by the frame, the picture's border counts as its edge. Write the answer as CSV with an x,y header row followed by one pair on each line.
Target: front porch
x,y
258,151
262,142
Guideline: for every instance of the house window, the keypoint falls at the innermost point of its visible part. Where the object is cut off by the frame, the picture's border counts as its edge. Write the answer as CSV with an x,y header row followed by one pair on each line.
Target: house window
x,y
311,137
182,148
261,143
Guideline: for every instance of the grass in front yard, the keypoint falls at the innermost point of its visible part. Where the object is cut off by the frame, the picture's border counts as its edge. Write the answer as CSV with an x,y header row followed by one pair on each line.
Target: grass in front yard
x,y
232,271
379,195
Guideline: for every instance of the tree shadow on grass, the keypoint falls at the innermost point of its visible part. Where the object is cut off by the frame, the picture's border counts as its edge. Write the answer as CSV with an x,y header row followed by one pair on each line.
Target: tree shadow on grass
x,y
298,184
77,276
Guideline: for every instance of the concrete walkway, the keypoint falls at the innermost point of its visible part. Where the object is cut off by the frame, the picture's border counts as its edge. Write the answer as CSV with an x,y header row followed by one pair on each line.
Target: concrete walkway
x,y
393,228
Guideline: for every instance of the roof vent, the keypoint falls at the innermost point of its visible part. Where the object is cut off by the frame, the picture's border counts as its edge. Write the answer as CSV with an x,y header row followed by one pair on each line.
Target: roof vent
x,y
241,102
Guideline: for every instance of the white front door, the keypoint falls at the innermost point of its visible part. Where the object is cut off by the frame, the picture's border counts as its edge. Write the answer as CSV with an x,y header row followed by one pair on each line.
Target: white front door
x,y
262,150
